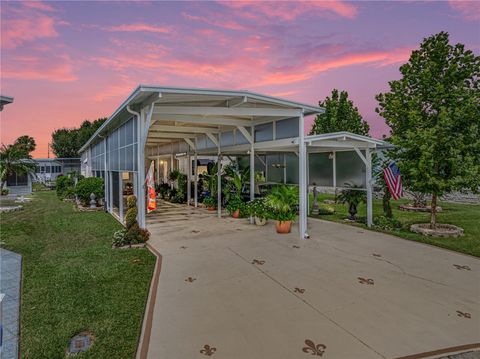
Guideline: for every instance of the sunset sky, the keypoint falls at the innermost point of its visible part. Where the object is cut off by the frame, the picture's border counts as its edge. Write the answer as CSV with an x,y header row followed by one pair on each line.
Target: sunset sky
x,y
65,62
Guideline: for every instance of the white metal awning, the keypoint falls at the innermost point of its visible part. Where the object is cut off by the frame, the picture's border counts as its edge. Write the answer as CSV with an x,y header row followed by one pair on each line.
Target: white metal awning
x,y
176,113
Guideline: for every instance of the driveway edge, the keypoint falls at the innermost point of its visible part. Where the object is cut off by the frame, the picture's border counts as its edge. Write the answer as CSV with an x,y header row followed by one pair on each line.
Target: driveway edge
x,y
144,341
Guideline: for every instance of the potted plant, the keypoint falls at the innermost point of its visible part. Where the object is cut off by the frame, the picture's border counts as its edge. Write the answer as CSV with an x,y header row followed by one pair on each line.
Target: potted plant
x,y
210,203
283,202
233,193
353,197
235,206
258,209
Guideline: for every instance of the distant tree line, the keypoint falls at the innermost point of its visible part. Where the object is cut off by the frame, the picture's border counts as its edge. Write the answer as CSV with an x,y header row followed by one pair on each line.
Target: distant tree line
x,y
66,142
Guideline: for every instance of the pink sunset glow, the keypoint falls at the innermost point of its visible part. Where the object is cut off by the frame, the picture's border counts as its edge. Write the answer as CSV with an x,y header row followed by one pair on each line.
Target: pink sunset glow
x,y
65,62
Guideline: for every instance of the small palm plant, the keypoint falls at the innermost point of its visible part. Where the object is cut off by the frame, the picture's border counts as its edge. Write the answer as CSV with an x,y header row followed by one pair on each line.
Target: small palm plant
x,y
353,197
283,201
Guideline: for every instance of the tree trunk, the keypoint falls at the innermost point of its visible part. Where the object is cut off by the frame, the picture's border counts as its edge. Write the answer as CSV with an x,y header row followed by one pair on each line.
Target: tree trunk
x,y
433,216
387,207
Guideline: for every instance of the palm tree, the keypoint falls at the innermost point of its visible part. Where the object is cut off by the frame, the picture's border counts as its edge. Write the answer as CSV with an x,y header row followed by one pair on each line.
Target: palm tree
x,y
14,159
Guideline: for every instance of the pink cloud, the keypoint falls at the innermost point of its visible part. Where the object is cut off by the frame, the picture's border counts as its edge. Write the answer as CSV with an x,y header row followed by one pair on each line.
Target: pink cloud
x,y
20,30
38,5
53,68
304,72
289,11
470,10
139,27
216,21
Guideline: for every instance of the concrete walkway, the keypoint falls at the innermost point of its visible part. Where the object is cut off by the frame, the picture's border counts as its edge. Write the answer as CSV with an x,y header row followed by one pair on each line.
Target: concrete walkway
x,y
10,277
229,289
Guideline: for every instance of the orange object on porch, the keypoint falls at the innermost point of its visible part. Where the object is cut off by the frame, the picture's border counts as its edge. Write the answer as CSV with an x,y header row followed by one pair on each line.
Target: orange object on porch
x,y
152,198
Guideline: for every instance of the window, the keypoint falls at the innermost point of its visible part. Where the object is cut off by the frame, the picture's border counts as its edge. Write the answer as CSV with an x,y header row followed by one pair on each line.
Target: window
x,y
15,179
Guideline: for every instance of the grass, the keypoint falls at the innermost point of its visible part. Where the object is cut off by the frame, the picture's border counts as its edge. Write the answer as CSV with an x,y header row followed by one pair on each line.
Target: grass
x,y
466,216
74,281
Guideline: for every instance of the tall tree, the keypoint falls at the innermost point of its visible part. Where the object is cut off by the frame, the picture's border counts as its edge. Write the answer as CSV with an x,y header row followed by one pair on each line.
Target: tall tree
x,y
340,115
26,144
434,115
66,142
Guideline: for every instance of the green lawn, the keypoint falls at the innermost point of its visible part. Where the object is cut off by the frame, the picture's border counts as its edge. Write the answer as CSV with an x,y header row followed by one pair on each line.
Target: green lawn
x,y
462,215
74,281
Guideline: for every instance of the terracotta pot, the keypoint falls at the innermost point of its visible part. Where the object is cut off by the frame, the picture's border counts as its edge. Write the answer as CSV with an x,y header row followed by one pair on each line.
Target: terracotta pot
x,y
260,221
236,214
283,226
211,208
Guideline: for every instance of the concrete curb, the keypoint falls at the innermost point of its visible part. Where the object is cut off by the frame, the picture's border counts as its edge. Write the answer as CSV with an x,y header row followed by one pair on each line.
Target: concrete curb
x,y
144,340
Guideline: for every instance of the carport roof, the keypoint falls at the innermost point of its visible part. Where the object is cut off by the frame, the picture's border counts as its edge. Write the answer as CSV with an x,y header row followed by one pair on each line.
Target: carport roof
x,y
145,95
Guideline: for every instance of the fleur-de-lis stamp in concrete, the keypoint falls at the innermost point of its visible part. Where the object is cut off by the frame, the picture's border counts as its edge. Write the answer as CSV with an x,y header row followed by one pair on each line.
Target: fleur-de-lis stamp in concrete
x,y
190,279
368,281
313,349
464,314
299,290
258,262
208,350
459,267
376,255
296,247
183,247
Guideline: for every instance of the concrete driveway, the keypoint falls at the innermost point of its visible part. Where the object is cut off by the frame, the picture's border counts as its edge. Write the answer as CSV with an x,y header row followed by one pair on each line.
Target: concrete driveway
x,y
228,289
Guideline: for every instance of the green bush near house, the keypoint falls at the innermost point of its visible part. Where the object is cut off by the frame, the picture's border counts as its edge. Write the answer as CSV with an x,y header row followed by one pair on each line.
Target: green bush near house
x,y
132,233
87,186
64,186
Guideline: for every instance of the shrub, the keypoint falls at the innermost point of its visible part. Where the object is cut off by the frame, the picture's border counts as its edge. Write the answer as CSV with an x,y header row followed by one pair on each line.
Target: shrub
x,y
64,186
210,202
89,185
131,201
132,234
119,238
387,224
325,210
5,191
258,208
135,235
131,216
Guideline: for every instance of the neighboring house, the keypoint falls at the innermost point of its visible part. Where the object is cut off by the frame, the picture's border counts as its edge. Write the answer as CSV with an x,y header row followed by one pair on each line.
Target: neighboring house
x,y
48,169
19,184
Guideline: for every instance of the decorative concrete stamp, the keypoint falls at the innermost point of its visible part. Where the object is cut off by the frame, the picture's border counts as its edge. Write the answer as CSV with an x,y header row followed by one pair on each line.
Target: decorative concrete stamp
x,y
208,350
258,262
367,281
314,349
80,343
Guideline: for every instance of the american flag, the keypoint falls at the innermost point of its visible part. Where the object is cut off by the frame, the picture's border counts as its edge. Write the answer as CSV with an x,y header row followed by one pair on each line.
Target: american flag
x,y
393,179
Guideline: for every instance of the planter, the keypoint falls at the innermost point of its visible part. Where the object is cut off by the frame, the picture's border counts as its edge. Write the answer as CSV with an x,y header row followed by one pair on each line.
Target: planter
x,y
442,230
411,208
260,221
236,214
283,226
211,208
